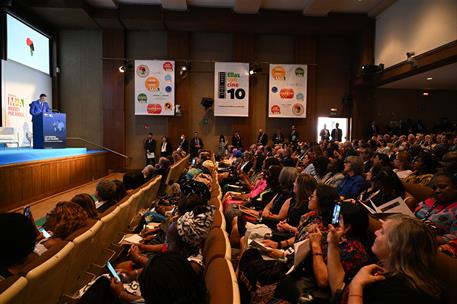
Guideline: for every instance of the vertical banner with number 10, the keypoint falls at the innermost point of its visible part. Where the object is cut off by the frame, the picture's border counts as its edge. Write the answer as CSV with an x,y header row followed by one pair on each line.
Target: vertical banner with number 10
x,y
231,89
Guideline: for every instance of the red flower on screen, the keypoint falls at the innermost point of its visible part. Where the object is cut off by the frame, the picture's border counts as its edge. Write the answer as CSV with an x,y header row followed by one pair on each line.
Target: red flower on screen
x,y
29,42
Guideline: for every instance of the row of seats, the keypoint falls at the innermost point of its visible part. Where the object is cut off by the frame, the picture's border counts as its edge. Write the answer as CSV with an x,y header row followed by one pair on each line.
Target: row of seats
x,y
61,270
220,277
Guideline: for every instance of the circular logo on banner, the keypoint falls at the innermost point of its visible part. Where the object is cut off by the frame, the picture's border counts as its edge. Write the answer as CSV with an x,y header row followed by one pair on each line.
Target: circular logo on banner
x,y
142,98
168,89
278,73
152,84
299,72
167,66
154,108
275,109
168,106
298,109
286,93
274,89
167,78
142,71
300,96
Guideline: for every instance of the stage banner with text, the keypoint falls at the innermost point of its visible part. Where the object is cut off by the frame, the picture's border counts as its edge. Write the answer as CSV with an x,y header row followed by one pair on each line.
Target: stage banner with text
x,y
287,94
20,86
154,87
231,89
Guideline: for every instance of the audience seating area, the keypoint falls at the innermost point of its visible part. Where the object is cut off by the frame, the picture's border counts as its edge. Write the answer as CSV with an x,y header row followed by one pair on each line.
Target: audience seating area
x,y
77,260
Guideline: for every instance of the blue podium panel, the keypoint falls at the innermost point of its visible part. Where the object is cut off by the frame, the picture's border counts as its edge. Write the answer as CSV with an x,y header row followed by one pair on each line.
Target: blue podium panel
x,y
50,130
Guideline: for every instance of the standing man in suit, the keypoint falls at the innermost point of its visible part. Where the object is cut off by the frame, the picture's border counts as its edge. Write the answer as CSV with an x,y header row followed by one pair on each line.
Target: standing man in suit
x,y
36,108
196,144
324,133
278,138
236,140
293,136
150,150
165,147
184,143
337,133
262,138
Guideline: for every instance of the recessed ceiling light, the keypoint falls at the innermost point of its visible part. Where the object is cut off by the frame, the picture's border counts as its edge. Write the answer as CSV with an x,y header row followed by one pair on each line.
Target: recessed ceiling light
x,y
429,78
425,93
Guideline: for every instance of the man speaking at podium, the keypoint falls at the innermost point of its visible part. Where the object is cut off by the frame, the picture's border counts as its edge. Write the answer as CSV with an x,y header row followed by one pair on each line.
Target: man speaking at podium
x,y
37,107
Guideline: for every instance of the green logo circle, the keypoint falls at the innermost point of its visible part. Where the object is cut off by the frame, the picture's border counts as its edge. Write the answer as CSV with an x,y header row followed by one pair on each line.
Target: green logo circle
x,y
142,98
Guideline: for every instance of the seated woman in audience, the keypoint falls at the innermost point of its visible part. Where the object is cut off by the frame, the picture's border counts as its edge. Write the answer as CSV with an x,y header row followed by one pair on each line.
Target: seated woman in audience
x,y
86,202
406,249
304,186
346,246
424,166
276,210
167,278
64,219
352,184
401,164
384,186
320,204
334,176
18,237
440,211
268,180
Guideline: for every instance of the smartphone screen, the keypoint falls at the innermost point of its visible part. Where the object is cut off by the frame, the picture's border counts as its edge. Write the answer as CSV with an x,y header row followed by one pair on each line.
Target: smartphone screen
x,y
113,271
336,215
27,212
45,233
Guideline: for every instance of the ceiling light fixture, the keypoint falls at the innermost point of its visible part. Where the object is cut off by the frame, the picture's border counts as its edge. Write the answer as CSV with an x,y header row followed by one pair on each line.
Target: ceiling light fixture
x,y
425,94
429,78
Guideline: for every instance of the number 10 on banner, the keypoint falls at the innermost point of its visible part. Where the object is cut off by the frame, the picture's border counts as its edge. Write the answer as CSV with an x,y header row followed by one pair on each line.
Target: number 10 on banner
x,y
238,93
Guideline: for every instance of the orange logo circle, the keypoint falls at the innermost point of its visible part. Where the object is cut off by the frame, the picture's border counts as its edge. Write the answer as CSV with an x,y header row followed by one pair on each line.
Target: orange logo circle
x,y
278,73
152,84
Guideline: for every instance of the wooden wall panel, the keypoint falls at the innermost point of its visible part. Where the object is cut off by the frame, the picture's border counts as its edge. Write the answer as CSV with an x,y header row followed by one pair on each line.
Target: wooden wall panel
x,y
25,183
113,97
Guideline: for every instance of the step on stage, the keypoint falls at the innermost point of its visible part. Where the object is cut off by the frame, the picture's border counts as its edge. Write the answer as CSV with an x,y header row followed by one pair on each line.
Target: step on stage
x,y
28,175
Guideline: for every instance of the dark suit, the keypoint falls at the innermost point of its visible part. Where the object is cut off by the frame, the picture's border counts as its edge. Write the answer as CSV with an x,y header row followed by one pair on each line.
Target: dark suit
x,y
262,139
184,144
236,141
293,137
37,107
337,134
193,146
150,145
278,138
167,151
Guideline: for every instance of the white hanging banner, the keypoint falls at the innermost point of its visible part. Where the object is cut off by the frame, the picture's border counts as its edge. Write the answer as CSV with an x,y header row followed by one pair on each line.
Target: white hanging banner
x,y
231,89
287,94
154,87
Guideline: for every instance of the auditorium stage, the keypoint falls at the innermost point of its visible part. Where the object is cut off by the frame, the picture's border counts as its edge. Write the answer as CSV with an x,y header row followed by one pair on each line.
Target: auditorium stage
x,y
13,155
28,175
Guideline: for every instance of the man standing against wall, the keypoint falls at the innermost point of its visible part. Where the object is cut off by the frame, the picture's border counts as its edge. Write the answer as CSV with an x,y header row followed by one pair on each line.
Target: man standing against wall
x,y
150,150
184,143
324,133
262,138
337,133
196,144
